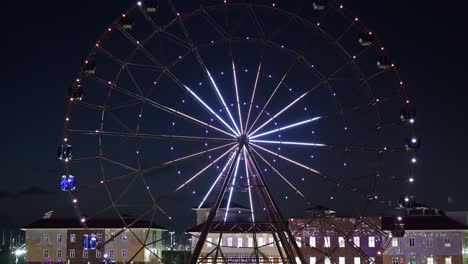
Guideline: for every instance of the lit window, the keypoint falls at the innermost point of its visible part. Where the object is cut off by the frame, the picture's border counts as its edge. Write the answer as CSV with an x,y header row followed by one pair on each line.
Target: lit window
x,y
341,260
327,260
72,253
209,242
46,238
430,260
271,242
298,261
372,260
429,242
112,237
59,253
394,242
124,237
371,241
229,241
299,241
356,241
59,238
45,253
98,254
395,260
357,260
341,241
260,241
448,260
313,260
72,238
111,254
85,253
99,238
312,241
411,242
249,242
447,242
124,253
239,242
326,241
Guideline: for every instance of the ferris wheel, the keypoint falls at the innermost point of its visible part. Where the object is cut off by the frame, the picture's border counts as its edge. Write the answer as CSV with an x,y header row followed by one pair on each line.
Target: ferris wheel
x,y
277,106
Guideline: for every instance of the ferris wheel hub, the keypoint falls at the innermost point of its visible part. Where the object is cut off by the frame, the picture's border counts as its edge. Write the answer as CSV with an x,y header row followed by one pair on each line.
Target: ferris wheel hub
x,y
243,140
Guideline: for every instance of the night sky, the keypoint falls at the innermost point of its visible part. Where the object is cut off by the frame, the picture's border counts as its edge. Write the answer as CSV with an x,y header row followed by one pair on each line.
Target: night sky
x,y
45,42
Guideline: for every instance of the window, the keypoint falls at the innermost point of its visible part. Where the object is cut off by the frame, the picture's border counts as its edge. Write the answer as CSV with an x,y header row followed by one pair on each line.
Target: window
x,y
85,253
239,242
395,260
229,241
72,238
312,241
341,260
412,260
249,242
46,238
124,253
411,242
112,254
59,238
112,237
313,260
357,260
45,253
371,241
99,238
429,242
430,260
298,261
447,242
124,237
271,242
59,253
327,260
356,241
260,241
209,242
299,241
72,253
98,254
372,260
394,242
326,241
341,241
448,260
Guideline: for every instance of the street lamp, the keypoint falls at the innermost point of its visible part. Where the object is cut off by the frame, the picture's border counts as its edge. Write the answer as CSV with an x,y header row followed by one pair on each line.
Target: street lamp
x,y
172,234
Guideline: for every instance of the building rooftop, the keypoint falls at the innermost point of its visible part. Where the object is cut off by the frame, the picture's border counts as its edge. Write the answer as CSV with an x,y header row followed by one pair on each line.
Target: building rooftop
x,y
436,222
92,223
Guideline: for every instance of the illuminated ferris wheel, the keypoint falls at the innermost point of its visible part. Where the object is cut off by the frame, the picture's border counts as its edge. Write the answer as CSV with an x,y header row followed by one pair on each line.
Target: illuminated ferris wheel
x,y
277,106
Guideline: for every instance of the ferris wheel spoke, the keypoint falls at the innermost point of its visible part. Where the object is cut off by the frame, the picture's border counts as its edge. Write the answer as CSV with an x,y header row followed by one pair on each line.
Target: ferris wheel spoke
x,y
218,28
307,121
271,97
294,188
148,136
237,93
333,180
232,188
304,144
221,174
119,164
249,186
289,106
204,169
160,106
111,56
252,98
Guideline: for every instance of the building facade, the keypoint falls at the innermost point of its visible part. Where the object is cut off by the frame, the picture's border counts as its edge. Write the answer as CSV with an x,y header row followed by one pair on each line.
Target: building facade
x,y
61,241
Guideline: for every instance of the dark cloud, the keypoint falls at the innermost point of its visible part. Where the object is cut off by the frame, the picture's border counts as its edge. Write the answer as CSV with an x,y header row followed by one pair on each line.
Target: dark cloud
x,y
31,191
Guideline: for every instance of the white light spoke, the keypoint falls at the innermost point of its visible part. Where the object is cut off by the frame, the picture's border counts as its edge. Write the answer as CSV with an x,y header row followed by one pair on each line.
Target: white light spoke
x,y
210,110
289,143
285,127
288,159
217,178
280,112
248,185
253,96
232,188
237,95
204,169
220,97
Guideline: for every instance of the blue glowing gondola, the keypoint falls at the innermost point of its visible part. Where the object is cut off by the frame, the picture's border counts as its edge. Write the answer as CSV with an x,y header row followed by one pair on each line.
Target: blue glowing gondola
x,y
85,241
92,242
64,183
71,182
